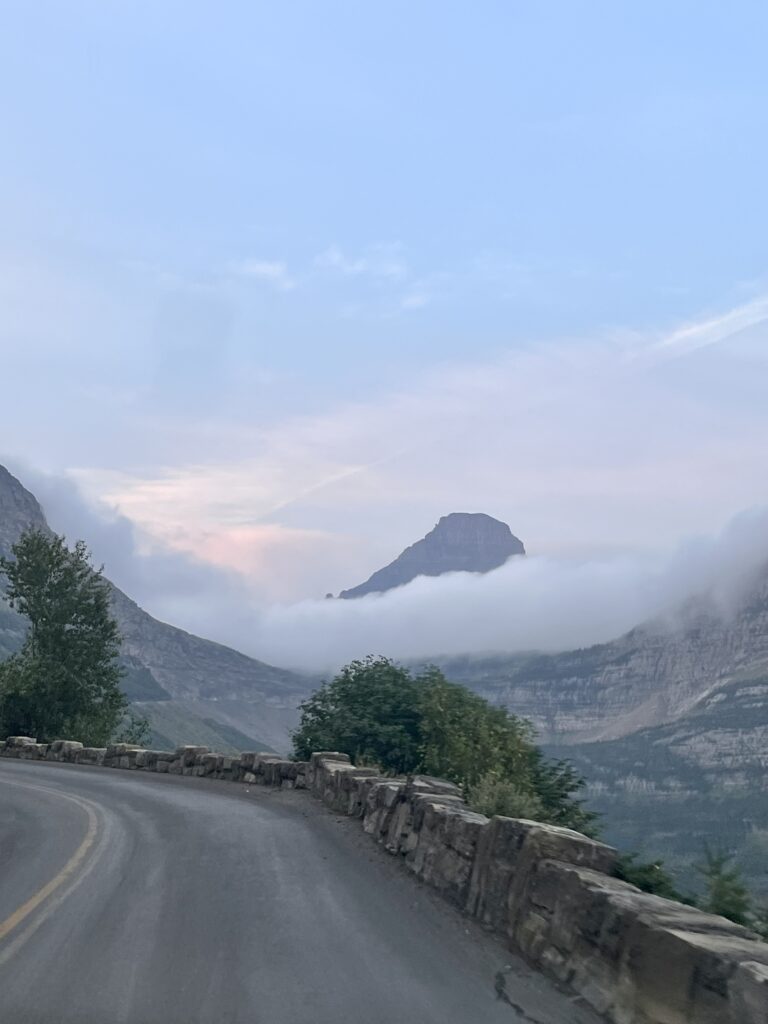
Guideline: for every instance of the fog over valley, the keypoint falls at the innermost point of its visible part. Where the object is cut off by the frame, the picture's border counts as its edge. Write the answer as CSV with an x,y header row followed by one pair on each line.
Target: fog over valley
x,y
535,602
623,513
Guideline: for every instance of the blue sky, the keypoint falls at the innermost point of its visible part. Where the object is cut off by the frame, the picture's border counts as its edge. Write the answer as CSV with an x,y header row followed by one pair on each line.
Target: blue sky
x,y
265,250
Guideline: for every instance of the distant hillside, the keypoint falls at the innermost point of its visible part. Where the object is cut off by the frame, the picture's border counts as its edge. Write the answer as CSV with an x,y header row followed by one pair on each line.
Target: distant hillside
x,y
668,789
461,542
165,664
656,673
669,725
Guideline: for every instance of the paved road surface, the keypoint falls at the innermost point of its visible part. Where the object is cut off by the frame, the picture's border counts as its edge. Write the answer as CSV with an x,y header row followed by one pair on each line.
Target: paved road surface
x,y
147,899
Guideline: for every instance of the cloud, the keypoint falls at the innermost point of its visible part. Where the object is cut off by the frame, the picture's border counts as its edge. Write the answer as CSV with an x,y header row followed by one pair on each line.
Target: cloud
x,y
415,300
172,584
272,272
603,456
381,260
714,329
581,447
533,603
528,604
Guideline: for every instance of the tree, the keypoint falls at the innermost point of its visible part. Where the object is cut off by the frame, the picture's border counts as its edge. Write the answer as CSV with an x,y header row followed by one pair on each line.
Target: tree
x,y
556,783
463,737
64,682
725,893
379,713
493,794
650,876
369,711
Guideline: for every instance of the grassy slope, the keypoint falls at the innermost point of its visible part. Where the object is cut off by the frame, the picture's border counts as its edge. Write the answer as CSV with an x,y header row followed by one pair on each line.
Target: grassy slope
x,y
174,725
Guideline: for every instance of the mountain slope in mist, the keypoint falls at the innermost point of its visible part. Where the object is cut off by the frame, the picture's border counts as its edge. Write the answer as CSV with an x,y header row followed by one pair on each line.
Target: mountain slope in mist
x,y
166,664
654,674
668,724
669,789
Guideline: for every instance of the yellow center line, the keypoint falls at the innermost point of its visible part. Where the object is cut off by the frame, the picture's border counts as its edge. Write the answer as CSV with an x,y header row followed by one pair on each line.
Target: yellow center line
x,y
22,913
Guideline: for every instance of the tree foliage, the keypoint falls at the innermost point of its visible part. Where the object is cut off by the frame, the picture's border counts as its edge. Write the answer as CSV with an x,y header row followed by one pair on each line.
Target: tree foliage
x,y
463,737
493,794
725,892
650,876
380,713
369,711
64,682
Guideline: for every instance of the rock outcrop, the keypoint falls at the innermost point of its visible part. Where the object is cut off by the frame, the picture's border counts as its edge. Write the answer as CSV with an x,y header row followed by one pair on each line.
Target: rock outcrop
x,y
19,510
548,892
461,542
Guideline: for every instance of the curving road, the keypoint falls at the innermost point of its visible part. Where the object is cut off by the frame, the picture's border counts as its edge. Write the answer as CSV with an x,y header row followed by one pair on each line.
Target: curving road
x,y
147,899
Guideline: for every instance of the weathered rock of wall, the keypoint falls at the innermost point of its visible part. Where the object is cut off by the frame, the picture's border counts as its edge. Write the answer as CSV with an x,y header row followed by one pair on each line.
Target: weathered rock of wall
x,y
548,891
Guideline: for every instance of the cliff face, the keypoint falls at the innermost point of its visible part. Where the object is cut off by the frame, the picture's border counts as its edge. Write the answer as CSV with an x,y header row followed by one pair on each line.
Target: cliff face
x,y
668,725
163,663
461,542
655,674
19,510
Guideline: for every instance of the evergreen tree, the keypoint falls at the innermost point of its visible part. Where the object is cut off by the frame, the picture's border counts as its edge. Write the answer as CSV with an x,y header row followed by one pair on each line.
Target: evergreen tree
x,y
64,682
725,893
650,876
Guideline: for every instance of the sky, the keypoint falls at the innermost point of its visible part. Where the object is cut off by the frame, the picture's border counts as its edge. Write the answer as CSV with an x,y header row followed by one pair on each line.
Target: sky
x,y
284,283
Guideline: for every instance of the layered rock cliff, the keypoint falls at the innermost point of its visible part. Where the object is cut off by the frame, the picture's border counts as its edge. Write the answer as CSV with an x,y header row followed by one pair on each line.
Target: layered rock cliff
x,y
657,673
461,542
668,724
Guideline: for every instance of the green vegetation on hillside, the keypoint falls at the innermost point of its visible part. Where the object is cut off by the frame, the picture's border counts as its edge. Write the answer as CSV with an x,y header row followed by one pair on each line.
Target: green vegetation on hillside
x,y
726,892
172,724
650,876
138,683
378,712
64,682
666,791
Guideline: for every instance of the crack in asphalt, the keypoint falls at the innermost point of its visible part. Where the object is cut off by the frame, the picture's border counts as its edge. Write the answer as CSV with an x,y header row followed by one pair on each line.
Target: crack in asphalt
x,y
500,987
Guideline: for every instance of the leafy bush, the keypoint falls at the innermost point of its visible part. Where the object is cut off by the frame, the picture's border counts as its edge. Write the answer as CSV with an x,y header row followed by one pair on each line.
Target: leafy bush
x,y
369,711
650,876
493,795
463,737
377,711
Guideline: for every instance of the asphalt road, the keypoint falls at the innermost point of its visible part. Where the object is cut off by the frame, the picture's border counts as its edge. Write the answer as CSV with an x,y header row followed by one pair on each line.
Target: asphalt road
x,y
146,899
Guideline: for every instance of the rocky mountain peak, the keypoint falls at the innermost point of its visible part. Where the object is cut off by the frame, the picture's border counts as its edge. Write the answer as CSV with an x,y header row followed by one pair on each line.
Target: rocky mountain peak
x,y
460,542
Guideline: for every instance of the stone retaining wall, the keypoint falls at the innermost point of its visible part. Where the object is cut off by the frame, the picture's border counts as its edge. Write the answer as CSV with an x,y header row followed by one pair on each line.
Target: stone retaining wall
x,y
548,891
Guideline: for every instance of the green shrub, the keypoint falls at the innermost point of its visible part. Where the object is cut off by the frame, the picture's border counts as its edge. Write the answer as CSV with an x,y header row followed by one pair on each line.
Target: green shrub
x,y
379,712
650,876
493,795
